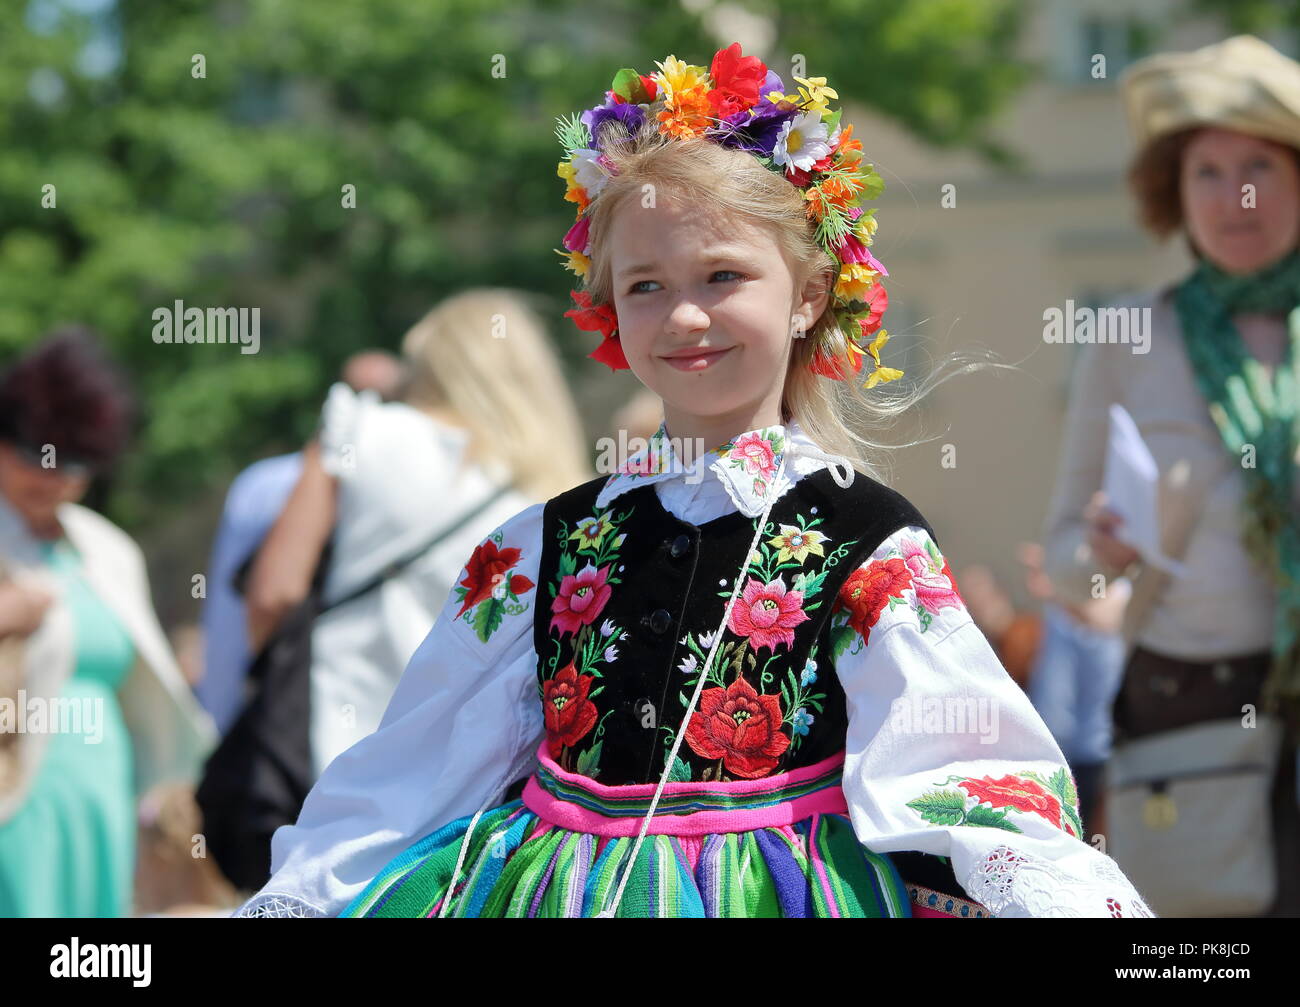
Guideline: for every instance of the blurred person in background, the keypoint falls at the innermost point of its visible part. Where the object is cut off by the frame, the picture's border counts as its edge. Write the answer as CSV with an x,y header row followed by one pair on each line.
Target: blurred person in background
x,y
253,502
1075,674
1218,160
76,594
485,427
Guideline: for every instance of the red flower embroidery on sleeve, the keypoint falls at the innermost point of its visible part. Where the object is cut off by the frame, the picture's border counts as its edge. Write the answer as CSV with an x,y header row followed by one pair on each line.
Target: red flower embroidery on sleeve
x,y
484,571
1016,792
867,590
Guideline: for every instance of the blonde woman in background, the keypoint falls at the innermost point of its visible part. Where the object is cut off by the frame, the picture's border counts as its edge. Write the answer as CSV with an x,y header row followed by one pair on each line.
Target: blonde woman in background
x,y
485,408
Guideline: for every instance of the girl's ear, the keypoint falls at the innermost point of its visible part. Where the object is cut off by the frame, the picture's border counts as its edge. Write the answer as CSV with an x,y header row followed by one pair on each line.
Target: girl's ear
x,y
814,297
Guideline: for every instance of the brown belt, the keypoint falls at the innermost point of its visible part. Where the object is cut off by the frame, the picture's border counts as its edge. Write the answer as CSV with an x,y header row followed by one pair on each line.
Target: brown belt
x,y
1161,693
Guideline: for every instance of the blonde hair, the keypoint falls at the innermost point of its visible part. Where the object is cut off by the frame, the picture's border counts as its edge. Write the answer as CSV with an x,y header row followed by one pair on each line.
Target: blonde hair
x,y
726,182
483,355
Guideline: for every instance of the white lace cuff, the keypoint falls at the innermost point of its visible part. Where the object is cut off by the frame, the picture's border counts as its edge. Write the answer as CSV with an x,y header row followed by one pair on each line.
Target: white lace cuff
x,y
1015,884
278,904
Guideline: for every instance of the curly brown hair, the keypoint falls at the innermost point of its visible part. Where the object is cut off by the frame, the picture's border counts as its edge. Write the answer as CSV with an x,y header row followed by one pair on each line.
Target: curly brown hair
x,y
66,392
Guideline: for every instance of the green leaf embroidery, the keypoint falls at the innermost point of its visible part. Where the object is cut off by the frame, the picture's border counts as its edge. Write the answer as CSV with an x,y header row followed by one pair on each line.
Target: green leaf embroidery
x,y
487,618
590,759
941,807
980,815
681,771
841,639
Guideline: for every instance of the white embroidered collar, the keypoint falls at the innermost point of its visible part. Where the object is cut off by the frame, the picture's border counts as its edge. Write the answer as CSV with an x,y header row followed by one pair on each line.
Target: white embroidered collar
x,y
746,466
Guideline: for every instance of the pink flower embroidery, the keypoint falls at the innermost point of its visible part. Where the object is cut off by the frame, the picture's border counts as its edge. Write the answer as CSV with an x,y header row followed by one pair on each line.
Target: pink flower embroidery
x,y
582,597
766,614
638,465
756,454
934,588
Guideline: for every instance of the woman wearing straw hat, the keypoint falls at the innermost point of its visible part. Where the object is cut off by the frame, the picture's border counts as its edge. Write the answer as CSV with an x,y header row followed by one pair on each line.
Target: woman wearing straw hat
x,y
1202,789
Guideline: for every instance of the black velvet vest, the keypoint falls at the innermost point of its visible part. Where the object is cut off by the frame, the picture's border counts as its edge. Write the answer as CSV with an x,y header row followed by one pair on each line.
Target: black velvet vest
x,y
628,600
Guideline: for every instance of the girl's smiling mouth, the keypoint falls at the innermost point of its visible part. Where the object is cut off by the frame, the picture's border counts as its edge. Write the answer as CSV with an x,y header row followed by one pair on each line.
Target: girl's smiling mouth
x,y
695,358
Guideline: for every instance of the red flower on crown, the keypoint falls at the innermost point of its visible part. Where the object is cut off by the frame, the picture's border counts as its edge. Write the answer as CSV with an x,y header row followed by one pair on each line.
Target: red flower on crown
x,y
599,318
736,80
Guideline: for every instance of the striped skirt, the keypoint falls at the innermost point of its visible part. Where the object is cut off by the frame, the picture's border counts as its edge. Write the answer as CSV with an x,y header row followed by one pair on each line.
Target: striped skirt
x,y
780,846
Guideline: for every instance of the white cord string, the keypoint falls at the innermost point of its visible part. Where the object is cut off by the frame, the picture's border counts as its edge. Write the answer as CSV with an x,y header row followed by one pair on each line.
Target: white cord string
x,y
609,911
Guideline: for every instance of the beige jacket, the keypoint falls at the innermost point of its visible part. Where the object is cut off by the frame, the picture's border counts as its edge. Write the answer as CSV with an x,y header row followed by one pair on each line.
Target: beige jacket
x,y
1225,604
171,734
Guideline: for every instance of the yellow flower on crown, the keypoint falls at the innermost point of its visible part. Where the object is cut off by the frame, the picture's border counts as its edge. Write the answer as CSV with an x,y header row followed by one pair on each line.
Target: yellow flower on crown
x,y
854,281
815,92
676,76
880,373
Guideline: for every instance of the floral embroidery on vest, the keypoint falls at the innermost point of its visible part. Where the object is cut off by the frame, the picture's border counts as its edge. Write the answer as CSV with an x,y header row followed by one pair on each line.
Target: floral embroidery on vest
x,y
637,594
745,729
487,594
579,596
1053,799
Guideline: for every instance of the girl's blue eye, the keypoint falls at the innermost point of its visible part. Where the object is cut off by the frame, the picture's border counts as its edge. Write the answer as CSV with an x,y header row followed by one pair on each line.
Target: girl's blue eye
x,y
633,290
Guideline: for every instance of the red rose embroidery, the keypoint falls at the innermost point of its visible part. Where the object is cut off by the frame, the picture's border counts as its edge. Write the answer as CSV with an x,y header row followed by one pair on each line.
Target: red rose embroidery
x,y
1016,792
867,591
484,571
568,713
766,614
740,727
581,599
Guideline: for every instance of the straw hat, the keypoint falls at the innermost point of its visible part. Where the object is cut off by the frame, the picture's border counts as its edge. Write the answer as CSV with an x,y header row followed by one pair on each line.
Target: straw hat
x,y
1242,84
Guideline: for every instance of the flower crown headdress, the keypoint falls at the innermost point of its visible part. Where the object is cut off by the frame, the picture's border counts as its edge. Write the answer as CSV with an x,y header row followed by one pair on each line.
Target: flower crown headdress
x,y
740,103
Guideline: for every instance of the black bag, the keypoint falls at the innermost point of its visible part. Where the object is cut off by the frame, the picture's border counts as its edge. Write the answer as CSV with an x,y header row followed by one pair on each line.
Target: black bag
x,y
259,775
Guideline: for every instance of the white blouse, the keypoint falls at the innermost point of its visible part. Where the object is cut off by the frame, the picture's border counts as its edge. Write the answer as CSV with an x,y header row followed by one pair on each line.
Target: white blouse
x,y
944,753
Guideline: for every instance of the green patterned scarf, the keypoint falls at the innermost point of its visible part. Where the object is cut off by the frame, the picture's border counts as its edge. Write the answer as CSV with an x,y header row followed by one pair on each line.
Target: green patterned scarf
x,y
1249,409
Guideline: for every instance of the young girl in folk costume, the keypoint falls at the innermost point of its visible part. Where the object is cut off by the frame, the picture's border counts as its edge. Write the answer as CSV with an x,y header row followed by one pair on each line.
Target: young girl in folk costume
x,y
746,686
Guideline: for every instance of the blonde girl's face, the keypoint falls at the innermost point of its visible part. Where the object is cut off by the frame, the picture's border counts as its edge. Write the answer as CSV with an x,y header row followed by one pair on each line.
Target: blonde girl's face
x,y
706,311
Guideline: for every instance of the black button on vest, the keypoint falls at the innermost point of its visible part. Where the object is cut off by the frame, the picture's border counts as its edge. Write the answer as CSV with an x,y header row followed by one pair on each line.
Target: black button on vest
x,y
615,685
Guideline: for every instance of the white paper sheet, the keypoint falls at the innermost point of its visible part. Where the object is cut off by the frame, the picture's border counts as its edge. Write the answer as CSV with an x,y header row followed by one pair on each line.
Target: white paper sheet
x,y
1130,484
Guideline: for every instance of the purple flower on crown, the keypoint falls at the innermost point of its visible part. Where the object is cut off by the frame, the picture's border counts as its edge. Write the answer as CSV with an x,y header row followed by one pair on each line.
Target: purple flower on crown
x,y
629,115
756,129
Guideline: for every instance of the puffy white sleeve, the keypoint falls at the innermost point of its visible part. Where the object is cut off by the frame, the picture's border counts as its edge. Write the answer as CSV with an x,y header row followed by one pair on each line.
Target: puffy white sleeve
x,y
945,755
463,724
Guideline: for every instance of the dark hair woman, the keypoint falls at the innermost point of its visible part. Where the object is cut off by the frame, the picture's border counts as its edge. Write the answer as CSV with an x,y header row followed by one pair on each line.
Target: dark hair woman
x,y
93,709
